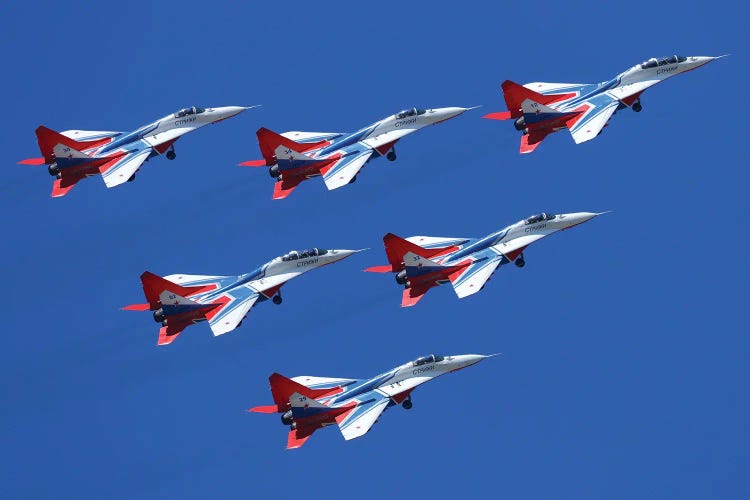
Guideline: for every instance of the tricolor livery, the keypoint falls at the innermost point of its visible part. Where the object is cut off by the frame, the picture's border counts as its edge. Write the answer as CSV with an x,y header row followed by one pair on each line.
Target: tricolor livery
x,y
179,300
293,157
116,156
310,403
540,108
423,262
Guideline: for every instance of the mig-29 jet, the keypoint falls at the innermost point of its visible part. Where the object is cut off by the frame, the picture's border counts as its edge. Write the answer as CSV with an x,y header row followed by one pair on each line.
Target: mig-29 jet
x,y
293,157
179,300
310,403
540,108
423,262
116,156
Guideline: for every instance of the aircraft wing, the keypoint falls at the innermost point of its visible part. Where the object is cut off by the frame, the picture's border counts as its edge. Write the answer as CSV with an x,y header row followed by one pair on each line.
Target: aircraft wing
x,y
343,171
594,119
357,422
476,275
118,171
229,316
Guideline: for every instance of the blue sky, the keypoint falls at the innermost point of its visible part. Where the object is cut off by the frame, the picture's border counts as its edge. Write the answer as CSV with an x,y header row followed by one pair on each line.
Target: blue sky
x,y
624,341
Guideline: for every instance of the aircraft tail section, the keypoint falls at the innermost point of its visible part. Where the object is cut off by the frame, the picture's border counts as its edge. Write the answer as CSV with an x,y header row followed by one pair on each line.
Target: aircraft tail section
x,y
269,141
48,139
515,94
283,388
154,285
396,248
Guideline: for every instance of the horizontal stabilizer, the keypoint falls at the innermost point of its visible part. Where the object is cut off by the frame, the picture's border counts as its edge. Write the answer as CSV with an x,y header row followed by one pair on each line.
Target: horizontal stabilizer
x,y
62,186
412,295
283,188
32,161
500,115
380,269
136,307
298,437
168,333
253,163
264,409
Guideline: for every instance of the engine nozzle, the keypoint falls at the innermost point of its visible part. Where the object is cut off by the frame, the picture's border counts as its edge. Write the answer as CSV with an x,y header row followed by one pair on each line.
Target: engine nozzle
x,y
286,418
401,277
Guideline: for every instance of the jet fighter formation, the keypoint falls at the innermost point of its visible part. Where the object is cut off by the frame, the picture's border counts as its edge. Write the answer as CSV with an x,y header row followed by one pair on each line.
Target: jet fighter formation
x,y
310,403
179,300
419,263
116,156
423,262
540,108
293,157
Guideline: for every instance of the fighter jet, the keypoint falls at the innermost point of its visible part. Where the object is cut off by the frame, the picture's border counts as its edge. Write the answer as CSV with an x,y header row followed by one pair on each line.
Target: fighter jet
x,y
293,157
179,300
540,108
310,403
116,156
422,262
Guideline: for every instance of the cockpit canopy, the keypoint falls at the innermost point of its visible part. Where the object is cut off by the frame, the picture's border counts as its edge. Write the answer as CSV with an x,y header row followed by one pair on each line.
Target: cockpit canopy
x,y
654,62
294,254
409,112
432,358
539,218
188,111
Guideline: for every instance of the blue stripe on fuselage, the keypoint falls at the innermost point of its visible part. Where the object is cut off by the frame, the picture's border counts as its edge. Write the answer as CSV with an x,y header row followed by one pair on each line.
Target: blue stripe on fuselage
x,y
128,138
480,244
598,89
346,140
228,285
366,386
